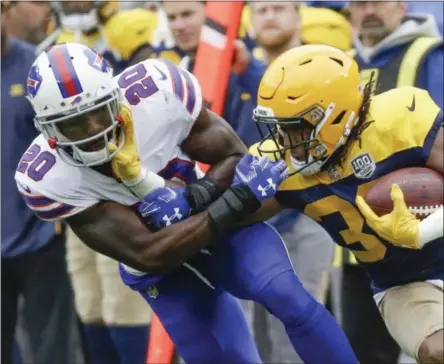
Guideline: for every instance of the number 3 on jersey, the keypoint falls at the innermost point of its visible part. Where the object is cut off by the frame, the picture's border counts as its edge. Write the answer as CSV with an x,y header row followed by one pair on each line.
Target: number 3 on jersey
x,y
36,164
136,90
348,227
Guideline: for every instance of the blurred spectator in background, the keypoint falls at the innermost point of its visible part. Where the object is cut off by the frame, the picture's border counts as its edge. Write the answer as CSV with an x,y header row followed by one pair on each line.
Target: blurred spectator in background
x,y
122,37
185,20
277,26
405,49
33,265
167,46
326,23
28,20
429,7
400,50
115,318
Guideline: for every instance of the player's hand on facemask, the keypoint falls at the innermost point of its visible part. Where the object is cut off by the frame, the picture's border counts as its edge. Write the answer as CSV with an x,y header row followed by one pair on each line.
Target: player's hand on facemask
x,y
400,227
261,175
163,207
126,163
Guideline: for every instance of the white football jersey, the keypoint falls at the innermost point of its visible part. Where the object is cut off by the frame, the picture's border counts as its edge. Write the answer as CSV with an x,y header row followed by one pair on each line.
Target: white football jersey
x,y
164,107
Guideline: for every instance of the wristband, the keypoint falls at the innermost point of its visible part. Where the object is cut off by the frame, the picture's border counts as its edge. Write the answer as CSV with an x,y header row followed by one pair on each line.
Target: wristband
x,y
201,193
234,203
145,183
431,228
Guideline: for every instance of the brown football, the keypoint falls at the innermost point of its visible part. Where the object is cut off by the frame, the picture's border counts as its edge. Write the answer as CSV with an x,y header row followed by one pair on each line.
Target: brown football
x,y
422,188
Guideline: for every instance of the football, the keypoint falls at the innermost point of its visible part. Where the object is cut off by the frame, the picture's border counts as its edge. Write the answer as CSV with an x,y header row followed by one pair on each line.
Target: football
x,y
422,188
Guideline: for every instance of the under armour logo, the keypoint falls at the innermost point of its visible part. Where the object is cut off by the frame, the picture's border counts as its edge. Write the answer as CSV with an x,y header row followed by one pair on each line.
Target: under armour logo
x,y
170,219
263,190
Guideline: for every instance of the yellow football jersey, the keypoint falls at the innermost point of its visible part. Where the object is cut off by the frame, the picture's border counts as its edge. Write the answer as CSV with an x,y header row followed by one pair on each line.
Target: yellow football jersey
x,y
405,122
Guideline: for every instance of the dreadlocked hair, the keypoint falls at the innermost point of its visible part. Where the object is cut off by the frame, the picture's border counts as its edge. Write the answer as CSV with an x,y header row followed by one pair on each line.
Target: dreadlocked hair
x,y
355,133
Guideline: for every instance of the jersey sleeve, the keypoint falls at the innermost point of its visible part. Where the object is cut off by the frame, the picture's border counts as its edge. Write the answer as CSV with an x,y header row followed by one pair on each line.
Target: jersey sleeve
x,y
423,119
50,194
46,208
409,126
182,84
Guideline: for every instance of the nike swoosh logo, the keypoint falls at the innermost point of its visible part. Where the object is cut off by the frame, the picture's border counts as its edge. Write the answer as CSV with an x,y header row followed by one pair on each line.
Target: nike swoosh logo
x,y
412,107
27,189
163,75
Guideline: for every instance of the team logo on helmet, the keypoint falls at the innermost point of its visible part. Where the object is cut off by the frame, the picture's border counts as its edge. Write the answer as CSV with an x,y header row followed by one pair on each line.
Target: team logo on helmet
x,y
316,115
77,100
96,60
34,81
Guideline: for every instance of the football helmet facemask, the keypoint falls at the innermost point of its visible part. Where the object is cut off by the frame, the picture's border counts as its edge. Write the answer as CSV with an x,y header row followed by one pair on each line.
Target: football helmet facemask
x,y
308,100
77,102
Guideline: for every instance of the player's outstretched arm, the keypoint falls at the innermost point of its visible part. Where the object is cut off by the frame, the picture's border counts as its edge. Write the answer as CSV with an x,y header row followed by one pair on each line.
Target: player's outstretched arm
x,y
118,232
248,200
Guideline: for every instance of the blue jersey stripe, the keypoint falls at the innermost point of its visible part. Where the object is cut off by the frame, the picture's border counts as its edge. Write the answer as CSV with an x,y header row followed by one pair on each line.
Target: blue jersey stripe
x,y
176,79
38,201
179,168
431,136
191,102
58,212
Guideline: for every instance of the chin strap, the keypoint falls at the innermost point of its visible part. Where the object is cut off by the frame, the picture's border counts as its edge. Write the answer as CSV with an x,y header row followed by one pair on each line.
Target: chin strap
x,y
347,130
145,183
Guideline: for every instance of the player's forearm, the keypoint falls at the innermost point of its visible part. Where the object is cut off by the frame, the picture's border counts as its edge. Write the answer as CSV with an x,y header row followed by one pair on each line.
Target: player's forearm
x,y
173,244
222,173
117,231
269,208
167,249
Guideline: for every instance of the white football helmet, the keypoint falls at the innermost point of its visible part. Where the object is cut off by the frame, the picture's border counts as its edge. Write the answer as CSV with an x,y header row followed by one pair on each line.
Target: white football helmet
x,y
76,101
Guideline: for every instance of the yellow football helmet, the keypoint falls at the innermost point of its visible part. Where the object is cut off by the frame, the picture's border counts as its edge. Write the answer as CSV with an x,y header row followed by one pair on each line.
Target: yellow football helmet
x,y
311,87
325,26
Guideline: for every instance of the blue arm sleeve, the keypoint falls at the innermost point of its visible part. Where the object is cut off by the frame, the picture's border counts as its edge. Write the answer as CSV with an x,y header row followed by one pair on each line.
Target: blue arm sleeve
x,y
430,77
251,78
